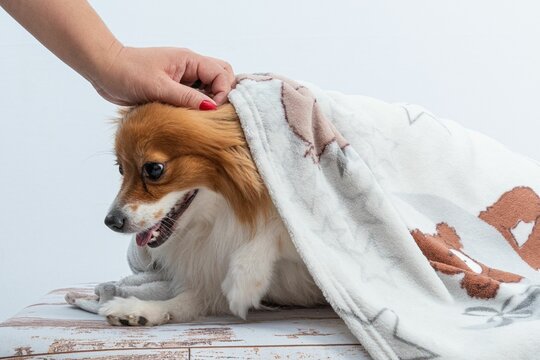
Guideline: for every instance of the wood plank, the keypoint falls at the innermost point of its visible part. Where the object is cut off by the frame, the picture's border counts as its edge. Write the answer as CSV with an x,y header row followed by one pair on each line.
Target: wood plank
x,y
331,352
52,327
148,354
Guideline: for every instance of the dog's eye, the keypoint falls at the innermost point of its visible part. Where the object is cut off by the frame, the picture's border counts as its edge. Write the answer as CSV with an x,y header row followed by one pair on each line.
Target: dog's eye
x,y
120,168
153,170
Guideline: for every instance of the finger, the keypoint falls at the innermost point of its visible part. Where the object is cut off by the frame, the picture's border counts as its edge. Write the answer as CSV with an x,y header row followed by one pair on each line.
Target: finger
x,y
215,75
181,95
212,73
221,86
220,98
230,72
228,68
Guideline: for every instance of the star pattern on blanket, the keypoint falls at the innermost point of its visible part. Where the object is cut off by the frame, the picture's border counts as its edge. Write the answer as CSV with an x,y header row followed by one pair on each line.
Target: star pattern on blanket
x,y
369,218
330,229
366,216
309,202
392,261
316,203
386,323
371,251
415,113
378,152
407,349
347,234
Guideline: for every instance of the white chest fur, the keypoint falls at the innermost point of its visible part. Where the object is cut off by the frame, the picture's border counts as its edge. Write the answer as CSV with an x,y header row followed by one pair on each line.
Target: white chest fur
x,y
228,267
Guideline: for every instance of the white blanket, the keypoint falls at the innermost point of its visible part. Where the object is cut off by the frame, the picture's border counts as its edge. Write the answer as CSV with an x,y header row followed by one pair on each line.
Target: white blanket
x,y
423,236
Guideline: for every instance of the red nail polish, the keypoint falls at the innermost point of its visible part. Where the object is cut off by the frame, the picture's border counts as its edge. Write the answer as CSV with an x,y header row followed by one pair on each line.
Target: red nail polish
x,y
207,105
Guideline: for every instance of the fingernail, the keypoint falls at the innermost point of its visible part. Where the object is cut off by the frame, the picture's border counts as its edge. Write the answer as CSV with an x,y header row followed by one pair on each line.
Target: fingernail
x,y
207,105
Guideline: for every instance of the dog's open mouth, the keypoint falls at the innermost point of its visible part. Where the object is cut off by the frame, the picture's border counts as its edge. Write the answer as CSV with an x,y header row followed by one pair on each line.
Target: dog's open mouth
x,y
160,232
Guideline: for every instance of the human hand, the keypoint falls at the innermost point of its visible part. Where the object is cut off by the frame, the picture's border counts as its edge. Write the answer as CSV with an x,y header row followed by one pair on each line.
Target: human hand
x,y
125,76
139,75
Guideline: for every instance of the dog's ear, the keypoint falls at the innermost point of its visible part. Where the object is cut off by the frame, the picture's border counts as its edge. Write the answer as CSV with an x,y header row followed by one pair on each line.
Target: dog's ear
x,y
243,188
239,166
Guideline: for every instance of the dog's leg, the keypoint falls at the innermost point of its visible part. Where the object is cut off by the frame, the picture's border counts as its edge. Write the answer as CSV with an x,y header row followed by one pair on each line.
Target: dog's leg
x,y
144,285
250,273
156,290
140,278
134,312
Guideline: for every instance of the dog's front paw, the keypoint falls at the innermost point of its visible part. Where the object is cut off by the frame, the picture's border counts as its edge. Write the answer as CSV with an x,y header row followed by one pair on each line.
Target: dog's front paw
x,y
134,312
106,291
242,294
71,297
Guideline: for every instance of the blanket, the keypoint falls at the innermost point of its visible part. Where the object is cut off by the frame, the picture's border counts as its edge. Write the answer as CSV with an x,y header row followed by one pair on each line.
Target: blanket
x,y
423,236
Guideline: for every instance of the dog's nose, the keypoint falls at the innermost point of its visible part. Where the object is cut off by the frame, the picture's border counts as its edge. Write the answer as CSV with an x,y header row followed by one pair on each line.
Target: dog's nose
x,y
115,220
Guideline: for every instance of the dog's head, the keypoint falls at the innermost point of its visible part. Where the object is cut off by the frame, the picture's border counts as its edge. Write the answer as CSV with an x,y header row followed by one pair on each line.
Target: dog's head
x,y
167,157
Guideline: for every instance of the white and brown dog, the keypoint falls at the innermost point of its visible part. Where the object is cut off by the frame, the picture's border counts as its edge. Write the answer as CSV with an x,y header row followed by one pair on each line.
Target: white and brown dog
x,y
192,195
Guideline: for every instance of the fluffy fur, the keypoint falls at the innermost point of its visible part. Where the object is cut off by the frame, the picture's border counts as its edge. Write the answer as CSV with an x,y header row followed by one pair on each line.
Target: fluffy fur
x,y
229,250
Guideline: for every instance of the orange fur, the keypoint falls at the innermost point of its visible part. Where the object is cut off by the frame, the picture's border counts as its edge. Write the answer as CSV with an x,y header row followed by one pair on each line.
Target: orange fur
x,y
198,148
231,250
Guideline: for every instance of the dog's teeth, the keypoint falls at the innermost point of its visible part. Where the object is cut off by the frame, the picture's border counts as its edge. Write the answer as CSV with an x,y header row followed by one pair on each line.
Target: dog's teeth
x,y
155,233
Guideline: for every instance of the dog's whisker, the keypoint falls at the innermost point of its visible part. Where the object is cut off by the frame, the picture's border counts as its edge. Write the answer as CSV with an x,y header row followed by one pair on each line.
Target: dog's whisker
x,y
166,227
99,153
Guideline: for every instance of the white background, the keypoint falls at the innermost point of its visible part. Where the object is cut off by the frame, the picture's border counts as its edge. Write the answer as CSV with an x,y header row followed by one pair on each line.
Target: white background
x,y
473,61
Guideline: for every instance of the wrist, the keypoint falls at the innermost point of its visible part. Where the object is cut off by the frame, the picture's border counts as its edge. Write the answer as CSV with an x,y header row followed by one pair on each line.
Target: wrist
x,y
103,61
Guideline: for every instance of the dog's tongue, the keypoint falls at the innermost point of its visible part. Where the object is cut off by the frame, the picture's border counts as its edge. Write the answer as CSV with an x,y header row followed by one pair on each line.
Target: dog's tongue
x,y
144,237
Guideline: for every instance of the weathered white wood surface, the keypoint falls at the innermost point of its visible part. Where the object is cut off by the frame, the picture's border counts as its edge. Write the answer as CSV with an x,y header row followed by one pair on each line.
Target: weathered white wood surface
x,y
52,329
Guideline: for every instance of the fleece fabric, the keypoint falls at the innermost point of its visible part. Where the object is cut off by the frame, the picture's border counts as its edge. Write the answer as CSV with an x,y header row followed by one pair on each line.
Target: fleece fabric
x,y
424,236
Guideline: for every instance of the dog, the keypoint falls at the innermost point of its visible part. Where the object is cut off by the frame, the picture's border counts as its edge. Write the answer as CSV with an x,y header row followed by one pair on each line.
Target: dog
x,y
192,195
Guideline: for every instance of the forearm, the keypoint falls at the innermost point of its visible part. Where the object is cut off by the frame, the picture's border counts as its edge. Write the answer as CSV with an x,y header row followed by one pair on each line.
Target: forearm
x,y
70,29
73,31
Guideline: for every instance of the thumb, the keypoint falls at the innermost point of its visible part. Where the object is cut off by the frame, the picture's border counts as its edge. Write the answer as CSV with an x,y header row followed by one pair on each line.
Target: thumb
x,y
181,95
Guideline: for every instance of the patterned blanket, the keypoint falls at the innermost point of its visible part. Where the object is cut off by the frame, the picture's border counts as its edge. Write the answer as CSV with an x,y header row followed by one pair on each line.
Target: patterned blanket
x,y
424,236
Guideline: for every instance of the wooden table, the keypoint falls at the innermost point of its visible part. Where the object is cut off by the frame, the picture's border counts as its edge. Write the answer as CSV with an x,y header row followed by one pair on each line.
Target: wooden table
x,y
52,329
